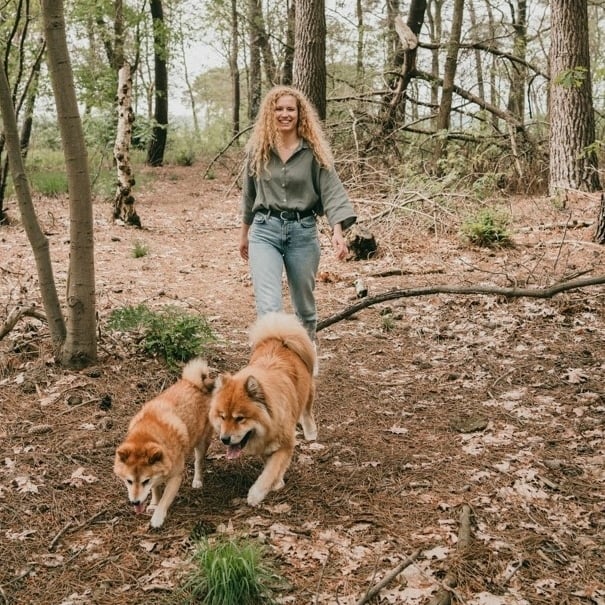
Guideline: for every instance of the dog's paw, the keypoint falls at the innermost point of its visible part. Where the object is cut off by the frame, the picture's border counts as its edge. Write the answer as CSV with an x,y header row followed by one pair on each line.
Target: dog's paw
x,y
196,484
158,518
255,496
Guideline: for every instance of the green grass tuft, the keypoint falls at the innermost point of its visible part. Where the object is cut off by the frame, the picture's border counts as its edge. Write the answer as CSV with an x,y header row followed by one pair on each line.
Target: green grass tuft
x,y
230,571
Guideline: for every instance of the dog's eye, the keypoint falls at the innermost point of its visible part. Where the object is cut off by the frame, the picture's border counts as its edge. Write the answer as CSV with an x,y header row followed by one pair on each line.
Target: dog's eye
x,y
239,419
129,481
222,416
145,482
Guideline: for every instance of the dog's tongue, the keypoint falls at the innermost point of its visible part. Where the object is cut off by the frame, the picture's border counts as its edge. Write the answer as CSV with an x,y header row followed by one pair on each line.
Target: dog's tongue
x,y
233,451
139,508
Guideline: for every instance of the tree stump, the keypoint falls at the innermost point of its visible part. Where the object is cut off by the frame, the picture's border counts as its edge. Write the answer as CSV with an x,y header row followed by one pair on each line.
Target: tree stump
x,y
362,244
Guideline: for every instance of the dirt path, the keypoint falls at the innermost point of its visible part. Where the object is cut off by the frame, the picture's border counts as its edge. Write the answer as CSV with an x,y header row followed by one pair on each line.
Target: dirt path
x,y
425,404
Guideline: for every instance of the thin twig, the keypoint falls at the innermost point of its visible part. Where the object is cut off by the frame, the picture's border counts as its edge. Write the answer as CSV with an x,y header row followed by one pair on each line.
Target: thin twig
x,y
392,574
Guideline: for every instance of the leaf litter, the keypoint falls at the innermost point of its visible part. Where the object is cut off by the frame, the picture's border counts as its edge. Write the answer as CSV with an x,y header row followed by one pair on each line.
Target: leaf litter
x,y
482,401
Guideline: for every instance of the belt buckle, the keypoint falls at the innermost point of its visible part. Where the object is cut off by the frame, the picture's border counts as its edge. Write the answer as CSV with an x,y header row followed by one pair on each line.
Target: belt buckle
x,y
287,215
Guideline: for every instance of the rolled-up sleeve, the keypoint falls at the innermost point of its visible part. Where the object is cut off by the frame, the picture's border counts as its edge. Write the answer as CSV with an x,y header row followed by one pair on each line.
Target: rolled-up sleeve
x,y
334,199
248,196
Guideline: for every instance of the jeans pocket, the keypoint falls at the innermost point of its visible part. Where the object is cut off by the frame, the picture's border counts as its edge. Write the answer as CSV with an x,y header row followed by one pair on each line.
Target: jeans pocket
x,y
308,222
260,218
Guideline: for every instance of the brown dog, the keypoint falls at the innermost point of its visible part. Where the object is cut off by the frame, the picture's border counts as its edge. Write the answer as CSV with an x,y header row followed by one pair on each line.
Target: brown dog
x,y
256,410
161,436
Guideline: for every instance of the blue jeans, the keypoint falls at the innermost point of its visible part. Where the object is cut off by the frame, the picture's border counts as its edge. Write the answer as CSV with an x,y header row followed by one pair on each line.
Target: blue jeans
x,y
275,244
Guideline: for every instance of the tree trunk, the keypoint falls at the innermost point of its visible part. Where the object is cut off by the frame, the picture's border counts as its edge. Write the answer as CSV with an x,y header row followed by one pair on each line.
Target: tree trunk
x,y
124,202
405,61
310,52
518,83
573,160
254,69
286,74
600,232
36,237
157,144
80,347
234,70
447,92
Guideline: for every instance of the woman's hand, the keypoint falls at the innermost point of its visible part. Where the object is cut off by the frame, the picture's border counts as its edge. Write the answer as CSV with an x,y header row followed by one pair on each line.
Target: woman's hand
x,y
243,242
341,250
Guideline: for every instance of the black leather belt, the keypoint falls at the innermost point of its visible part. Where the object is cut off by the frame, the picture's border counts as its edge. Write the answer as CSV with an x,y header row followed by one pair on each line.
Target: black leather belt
x,y
289,215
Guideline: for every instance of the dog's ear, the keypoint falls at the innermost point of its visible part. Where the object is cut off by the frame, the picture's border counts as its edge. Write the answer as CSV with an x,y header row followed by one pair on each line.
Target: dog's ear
x,y
221,380
254,390
124,452
154,454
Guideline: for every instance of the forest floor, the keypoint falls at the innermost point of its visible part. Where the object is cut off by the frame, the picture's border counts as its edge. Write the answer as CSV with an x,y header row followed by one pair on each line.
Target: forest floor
x,y
443,418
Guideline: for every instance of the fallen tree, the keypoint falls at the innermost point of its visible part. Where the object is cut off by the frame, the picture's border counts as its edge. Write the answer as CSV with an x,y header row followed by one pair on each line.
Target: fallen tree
x,y
510,292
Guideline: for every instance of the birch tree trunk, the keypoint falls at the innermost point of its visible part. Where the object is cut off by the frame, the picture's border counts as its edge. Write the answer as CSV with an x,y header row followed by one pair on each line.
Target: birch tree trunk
x,y
124,202
80,346
310,52
573,161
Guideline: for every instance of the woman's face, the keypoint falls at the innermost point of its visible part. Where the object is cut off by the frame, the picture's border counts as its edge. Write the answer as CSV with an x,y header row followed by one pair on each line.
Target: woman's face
x,y
286,114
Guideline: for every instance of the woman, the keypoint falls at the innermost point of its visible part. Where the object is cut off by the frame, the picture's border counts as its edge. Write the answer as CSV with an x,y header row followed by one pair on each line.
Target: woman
x,y
289,181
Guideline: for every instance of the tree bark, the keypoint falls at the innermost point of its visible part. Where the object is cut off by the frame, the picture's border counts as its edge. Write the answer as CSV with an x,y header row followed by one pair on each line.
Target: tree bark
x,y
254,69
573,159
447,92
80,346
124,201
288,64
157,144
310,52
36,237
234,70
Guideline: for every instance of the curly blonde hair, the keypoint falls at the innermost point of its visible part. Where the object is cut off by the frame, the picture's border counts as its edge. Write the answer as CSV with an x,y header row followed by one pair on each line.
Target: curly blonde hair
x,y
265,136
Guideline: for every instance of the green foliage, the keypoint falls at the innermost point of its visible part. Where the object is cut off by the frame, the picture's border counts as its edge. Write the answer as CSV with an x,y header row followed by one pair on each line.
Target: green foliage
x,y
572,78
50,183
140,250
488,227
229,572
171,333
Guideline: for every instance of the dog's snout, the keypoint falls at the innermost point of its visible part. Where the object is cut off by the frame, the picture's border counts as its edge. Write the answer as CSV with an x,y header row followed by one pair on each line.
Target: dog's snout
x,y
226,439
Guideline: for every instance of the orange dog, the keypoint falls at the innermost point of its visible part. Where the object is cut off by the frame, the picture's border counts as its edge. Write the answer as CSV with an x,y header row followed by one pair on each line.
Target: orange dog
x,y
256,410
160,437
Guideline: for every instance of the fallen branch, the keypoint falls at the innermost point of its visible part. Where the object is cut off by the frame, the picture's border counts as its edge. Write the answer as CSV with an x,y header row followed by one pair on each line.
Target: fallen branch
x,y
514,292
444,594
372,592
16,314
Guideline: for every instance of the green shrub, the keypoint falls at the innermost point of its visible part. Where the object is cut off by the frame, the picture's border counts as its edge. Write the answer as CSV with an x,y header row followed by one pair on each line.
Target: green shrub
x,y
140,249
229,572
488,227
171,333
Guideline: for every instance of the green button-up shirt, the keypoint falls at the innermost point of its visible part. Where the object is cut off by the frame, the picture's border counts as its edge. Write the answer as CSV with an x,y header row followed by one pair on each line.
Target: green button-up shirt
x,y
300,184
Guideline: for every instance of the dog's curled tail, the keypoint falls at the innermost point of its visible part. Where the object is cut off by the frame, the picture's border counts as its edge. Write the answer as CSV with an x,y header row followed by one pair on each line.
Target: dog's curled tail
x,y
287,328
197,373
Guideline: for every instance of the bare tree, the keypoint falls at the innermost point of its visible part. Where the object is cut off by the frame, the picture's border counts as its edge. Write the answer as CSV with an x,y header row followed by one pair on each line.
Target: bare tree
x,y
159,135
234,69
449,73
